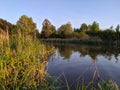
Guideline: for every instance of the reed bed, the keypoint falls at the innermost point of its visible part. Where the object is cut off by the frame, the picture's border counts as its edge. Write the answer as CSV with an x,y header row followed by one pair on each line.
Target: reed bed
x,y
22,65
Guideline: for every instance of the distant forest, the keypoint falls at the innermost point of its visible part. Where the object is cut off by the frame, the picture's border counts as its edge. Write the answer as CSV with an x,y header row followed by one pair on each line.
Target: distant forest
x,y
27,26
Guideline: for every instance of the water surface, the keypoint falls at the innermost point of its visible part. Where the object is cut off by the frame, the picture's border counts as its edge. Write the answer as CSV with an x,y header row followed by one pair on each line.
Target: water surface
x,y
78,63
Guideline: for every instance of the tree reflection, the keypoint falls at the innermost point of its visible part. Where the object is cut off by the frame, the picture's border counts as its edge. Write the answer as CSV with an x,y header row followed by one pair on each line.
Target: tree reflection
x,y
93,55
83,50
65,51
93,51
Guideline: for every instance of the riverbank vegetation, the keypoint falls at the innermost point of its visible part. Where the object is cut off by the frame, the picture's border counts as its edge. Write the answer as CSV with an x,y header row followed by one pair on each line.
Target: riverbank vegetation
x,y
22,66
23,59
86,33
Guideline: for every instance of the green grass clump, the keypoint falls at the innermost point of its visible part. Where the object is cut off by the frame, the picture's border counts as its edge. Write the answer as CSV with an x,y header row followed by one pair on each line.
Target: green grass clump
x,y
22,65
108,85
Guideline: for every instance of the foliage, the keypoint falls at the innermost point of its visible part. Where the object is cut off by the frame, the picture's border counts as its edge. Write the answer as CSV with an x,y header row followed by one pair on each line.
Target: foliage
x,y
26,25
4,24
1,31
107,35
80,35
94,27
65,30
48,29
117,28
23,60
26,28
83,27
22,65
118,33
108,85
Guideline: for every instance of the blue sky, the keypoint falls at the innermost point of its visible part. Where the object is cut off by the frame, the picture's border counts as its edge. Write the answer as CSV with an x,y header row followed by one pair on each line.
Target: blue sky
x,y
105,12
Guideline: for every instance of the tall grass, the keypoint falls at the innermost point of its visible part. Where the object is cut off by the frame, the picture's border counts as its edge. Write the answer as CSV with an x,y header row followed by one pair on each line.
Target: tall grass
x,y
92,85
22,65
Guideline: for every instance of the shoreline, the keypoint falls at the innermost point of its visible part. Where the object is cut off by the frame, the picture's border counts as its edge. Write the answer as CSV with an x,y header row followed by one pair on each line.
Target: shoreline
x,y
81,41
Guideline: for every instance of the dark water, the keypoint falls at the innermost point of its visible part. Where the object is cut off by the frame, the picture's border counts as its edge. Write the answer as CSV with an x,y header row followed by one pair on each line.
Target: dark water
x,y
84,63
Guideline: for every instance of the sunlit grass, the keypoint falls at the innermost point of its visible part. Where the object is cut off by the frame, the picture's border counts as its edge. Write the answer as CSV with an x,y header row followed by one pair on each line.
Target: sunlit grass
x,y
22,65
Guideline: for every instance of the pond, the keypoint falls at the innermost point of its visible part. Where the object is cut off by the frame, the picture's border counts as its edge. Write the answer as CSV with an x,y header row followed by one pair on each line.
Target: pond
x,y
83,63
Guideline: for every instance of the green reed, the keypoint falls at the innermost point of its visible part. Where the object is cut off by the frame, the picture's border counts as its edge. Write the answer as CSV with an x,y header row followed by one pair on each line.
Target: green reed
x,y
22,65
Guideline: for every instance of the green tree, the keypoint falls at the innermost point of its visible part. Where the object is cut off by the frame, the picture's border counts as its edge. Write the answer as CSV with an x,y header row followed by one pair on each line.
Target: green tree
x,y
65,30
107,35
35,34
48,29
26,25
12,28
117,32
111,27
117,28
84,27
94,27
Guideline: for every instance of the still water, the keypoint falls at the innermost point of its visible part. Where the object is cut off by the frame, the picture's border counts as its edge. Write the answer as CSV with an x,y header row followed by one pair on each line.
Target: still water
x,y
83,63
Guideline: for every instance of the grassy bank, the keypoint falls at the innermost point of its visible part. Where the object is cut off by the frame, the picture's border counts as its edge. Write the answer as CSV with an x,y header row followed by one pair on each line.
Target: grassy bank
x,y
22,65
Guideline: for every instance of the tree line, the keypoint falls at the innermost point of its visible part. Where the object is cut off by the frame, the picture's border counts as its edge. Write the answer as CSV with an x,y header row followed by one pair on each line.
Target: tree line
x,y
27,28
85,31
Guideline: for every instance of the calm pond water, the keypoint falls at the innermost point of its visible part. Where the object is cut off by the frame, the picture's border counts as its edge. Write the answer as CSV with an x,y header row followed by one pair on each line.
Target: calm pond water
x,y
78,63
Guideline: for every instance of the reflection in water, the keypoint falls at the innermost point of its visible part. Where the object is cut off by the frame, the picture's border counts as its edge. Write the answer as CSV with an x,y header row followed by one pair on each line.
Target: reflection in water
x,y
65,52
93,51
83,62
